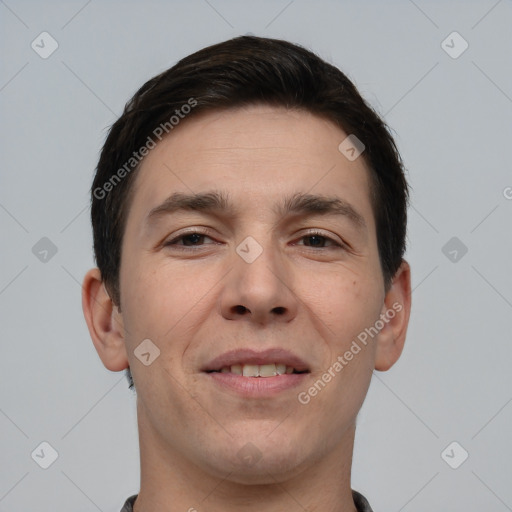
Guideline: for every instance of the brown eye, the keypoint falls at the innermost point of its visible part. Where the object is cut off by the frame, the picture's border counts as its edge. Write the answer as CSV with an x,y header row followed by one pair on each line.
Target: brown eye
x,y
315,240
193,238
186,240
318,240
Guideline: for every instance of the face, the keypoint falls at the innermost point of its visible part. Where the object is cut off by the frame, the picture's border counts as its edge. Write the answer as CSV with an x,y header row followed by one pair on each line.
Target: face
x,y
263,279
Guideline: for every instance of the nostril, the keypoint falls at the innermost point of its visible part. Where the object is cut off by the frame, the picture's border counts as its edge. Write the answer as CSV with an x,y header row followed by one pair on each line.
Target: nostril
x,y
279,310
240,309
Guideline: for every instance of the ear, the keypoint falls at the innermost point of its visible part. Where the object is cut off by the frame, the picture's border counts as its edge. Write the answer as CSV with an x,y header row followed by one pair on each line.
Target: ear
x,y
395,314
104,321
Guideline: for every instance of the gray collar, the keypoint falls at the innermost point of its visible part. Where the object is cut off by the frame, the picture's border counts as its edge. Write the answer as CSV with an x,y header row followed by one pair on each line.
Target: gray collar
x,y
360,502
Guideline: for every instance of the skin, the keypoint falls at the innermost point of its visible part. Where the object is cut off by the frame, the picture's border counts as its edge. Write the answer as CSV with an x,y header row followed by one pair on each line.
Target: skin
x,y
191,431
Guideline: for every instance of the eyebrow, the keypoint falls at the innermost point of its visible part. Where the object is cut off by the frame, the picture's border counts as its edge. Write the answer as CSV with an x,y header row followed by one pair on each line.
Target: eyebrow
x,y
217,202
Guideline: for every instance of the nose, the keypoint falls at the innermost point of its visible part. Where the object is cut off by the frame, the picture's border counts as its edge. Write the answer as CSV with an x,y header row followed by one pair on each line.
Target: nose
x,y
261,291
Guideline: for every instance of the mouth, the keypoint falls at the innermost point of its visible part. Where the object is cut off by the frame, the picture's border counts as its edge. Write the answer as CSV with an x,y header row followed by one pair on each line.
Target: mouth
x,y
259,370
257,374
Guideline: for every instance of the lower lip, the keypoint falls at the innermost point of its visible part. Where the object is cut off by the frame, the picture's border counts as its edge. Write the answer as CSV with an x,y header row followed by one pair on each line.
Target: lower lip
x,y
257,386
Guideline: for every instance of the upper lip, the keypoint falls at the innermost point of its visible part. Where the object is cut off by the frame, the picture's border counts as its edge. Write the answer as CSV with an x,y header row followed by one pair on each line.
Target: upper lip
x,y
250,356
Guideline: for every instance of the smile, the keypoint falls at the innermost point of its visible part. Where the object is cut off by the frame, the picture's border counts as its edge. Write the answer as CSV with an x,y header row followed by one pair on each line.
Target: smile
x,y
258,370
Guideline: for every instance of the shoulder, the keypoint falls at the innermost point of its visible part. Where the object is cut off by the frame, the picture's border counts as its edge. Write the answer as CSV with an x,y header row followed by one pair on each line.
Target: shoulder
x,y
128,504
360,502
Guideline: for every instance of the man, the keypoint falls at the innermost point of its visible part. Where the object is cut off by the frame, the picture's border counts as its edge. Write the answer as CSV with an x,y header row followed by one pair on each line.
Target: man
x,y
249,219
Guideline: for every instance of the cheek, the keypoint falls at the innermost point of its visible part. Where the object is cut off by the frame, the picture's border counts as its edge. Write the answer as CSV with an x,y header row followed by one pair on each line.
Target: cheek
x,y
164,303
350,308
344,302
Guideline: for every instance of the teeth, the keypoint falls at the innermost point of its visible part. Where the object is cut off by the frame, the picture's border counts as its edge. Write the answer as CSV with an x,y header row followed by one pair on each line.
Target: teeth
x,y
250,370
268,370
281,368
255,370
236,368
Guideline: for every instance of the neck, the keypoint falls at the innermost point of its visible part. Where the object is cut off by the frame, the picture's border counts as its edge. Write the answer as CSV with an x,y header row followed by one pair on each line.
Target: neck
x,y
170,482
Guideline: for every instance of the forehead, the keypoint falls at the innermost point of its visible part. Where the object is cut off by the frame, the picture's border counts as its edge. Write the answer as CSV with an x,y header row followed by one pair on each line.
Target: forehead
x,y
259,153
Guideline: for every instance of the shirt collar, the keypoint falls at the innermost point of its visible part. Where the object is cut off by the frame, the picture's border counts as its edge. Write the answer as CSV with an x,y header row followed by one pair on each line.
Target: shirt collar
x,y
360,502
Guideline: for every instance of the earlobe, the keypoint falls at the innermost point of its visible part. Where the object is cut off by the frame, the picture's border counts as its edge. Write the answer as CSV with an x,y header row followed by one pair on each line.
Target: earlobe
x,y
395,314
104,322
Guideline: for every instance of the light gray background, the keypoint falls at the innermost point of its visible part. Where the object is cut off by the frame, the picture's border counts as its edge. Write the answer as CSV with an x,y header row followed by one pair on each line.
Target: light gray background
x,y
452,119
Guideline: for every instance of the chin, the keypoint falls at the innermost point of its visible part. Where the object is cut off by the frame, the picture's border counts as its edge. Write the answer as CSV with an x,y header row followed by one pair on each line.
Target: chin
x,y
252,465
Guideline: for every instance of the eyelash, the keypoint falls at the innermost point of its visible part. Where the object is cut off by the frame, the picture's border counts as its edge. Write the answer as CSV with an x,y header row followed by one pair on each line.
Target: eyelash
x,y
312,233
